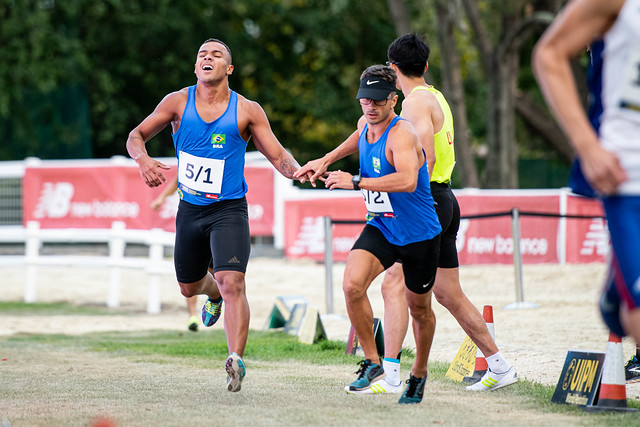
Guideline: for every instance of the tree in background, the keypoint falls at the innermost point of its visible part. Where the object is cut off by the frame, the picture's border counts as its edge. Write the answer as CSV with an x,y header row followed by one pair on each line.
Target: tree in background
x,y
77,75
447,20
43,100
298,59
481,63
444,21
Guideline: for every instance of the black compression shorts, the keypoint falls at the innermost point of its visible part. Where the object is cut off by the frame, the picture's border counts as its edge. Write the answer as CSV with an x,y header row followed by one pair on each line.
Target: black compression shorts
x,y
219,230
419,260
448,212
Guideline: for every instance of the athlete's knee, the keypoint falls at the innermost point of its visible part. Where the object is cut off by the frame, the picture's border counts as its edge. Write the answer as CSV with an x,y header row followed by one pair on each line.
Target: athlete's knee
x,y
444,297
419,304
189,289
353,289
423,315
447,290
394,274
230,283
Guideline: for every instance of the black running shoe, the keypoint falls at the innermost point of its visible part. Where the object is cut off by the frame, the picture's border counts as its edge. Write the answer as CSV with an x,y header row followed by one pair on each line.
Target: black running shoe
x,y
632,370
414,391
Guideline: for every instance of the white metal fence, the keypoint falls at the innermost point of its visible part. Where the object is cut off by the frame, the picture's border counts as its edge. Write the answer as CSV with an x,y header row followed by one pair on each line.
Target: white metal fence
x,y
116,238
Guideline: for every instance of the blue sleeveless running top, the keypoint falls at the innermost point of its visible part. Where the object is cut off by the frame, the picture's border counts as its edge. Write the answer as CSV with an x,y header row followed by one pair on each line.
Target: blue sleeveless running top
x,y
403,218
210,155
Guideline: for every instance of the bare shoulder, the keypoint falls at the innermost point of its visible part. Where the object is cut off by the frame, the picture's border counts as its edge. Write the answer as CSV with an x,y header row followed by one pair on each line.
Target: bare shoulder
x,y
248,107
404,130
175,101
362,122
420,101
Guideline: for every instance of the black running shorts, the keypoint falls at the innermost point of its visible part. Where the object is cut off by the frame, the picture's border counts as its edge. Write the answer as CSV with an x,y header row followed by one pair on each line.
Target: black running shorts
x,y
448,212
219,230
419,260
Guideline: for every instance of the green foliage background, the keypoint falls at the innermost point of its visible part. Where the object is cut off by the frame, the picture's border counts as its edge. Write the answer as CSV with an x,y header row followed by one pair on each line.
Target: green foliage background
x,y
77,75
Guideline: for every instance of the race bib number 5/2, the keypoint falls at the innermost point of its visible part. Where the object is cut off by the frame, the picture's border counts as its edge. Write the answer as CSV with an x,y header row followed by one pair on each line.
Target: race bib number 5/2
x,y
200,174
376,201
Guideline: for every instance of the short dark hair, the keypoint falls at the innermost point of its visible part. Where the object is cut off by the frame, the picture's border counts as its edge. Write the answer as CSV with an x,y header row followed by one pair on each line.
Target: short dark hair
x,y
222,43
410,54
381,71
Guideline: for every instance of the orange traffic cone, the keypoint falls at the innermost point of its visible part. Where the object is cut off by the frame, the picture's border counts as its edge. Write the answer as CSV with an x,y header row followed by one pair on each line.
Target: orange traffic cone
x,y
481,363
613,393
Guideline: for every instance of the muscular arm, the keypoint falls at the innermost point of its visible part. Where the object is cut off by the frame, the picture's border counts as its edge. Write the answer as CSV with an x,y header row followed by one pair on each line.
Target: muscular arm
x,y
267,143
579,24
403,153
165,113
419,109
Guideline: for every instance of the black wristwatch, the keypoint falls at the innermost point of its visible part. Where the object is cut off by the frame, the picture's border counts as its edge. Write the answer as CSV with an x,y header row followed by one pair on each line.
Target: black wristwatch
x,y
356,181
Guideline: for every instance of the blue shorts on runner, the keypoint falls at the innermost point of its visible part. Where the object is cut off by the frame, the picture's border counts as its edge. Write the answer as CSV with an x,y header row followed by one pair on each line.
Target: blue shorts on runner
x,y
623,281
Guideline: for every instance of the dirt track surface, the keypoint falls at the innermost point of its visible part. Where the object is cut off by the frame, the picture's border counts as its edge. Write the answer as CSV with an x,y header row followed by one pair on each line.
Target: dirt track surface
x,y
535,340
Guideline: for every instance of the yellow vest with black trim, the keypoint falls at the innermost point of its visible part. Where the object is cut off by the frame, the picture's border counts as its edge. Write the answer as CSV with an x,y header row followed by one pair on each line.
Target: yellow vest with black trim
x,y
444,151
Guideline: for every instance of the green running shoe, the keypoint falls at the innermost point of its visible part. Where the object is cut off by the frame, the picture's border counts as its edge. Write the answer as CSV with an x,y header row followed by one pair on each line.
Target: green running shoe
x,y
193,324
211,311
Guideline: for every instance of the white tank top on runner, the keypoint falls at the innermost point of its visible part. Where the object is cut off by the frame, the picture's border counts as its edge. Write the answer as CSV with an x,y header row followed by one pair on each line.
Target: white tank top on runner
x,y
620,128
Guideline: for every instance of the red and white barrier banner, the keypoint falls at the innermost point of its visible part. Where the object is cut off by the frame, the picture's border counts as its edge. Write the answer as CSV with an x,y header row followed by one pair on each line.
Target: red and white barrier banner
x,y
94,197
543,239
260,199
488,240
587,239
304,225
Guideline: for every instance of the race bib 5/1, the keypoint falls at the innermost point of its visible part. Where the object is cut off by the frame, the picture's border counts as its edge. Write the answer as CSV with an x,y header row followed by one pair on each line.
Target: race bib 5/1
x,y
200,174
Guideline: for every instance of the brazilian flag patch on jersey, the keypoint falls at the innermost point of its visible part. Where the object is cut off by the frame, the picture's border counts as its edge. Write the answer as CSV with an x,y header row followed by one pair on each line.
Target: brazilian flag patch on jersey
x,y
218,138
376,164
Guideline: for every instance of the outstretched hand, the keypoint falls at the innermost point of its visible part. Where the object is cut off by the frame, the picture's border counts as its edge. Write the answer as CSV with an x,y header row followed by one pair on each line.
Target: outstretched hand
x,y
313,170
304,177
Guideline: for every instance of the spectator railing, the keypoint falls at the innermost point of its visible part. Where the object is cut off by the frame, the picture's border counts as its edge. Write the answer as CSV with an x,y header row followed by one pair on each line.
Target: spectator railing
x,y
116,238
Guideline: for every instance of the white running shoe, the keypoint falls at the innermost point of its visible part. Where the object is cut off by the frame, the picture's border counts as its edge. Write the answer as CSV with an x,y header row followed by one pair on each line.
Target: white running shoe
x,y
378,387
235,372
493,381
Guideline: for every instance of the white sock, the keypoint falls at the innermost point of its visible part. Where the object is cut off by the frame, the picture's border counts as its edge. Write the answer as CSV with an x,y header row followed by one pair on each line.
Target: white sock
x,y
497,363
391,370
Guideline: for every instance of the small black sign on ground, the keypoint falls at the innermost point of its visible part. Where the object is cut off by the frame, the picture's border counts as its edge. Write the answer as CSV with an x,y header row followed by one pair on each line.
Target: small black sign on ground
x,y
580,377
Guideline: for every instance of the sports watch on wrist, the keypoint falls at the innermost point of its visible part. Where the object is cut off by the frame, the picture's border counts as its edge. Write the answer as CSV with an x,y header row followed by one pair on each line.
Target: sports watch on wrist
x,y
356,181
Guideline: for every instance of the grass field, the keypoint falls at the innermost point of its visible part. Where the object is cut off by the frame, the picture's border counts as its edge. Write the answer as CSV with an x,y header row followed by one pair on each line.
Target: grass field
x,y
172,378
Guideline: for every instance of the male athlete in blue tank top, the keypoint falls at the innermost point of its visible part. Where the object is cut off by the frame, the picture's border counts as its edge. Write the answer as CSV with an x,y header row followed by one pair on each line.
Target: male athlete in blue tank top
x,y
207,149
402,225
211,126
395,214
